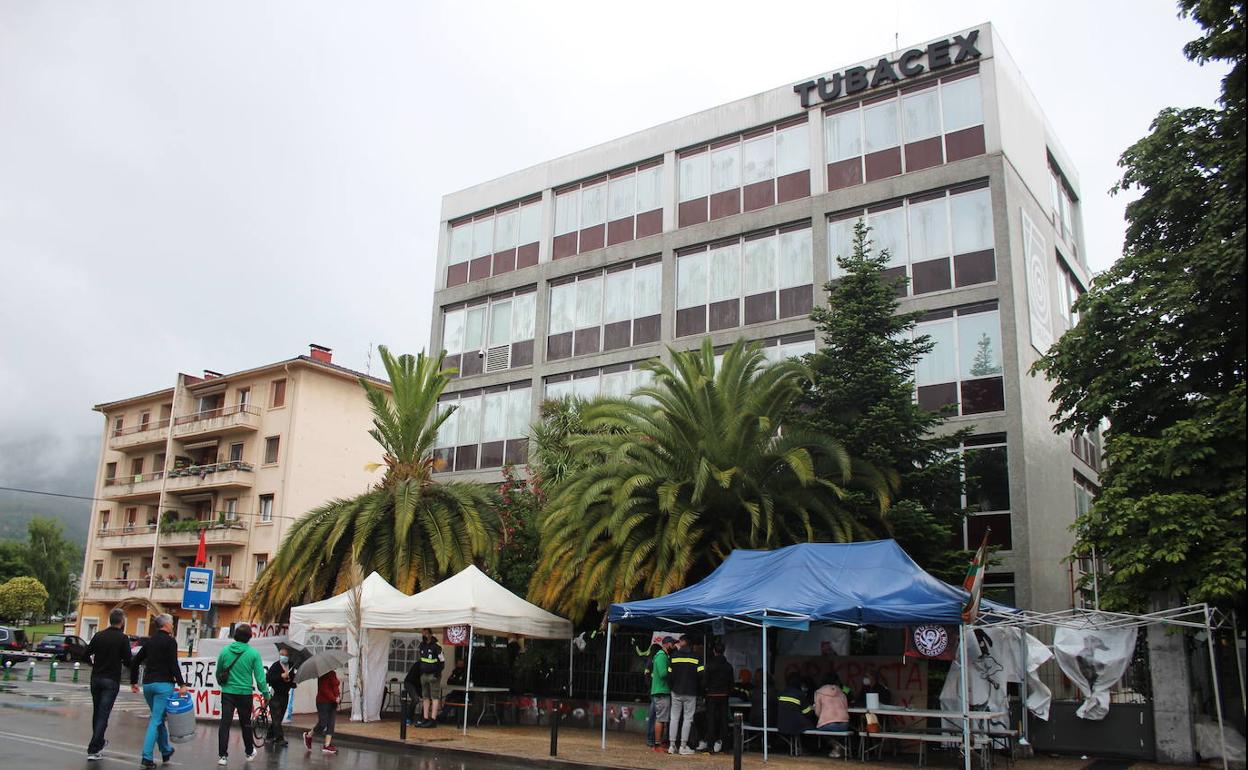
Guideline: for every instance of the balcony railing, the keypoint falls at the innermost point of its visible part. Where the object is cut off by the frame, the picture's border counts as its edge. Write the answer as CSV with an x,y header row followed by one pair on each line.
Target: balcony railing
x,y
123,538
220,530
224,418
129,529
234,473
140,428
133,478
150,433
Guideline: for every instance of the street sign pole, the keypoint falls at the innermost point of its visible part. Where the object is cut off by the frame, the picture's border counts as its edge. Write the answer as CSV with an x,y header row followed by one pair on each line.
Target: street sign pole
x,y
196,597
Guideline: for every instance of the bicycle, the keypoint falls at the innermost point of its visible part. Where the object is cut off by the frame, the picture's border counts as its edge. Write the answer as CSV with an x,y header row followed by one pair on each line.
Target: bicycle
x,y
260,722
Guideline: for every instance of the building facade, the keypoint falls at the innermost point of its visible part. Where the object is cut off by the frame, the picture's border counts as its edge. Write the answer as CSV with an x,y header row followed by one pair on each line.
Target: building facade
x,y
564,277
240,457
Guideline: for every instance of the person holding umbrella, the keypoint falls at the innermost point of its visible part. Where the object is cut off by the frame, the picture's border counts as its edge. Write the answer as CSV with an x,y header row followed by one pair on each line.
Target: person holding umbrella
x,y
281,680
328,692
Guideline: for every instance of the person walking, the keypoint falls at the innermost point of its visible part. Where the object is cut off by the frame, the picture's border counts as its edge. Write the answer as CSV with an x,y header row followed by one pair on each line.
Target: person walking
x,y
718,690
660,692
281,680
684,677
108,651
431,661
159,658
238,667
328,693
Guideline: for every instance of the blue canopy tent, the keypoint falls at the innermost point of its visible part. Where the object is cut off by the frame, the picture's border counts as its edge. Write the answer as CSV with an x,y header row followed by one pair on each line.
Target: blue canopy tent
x,y
856,584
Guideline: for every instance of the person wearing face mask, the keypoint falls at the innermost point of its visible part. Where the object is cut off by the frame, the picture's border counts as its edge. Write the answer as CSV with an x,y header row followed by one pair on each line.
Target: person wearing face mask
x,y
281,679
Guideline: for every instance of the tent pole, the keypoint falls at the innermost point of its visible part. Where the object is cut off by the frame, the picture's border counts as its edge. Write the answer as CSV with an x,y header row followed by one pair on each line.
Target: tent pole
x,y
966,699
569,668
1239,663
1022,685
1217,691
468,677
606,669
765,698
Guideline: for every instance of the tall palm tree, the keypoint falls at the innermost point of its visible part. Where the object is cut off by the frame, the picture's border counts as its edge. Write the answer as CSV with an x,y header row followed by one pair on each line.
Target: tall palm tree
x,y
692,466
408,527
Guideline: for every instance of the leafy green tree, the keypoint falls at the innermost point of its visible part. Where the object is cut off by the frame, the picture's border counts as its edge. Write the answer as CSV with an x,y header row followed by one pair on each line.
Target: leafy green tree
x,y
518,539
692,466
13,561
861,390
1159,353
410,528
22,598
54,561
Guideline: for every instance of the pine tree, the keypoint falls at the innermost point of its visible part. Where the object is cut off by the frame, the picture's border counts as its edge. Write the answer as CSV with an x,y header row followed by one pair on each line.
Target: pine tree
x,y
984,363
862,392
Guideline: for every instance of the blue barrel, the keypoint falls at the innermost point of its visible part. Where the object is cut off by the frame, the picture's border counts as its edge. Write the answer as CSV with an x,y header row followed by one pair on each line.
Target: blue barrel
x,y
180,718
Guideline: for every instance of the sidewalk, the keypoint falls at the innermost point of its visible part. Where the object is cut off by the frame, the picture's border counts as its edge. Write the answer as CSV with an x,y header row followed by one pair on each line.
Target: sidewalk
x,y
625,751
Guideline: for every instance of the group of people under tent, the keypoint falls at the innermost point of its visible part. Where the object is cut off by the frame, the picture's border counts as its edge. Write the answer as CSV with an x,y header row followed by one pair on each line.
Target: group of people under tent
x,y
424,686
690,696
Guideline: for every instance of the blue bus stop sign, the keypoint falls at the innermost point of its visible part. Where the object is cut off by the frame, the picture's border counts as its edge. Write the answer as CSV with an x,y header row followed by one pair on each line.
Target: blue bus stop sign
x,y
197,589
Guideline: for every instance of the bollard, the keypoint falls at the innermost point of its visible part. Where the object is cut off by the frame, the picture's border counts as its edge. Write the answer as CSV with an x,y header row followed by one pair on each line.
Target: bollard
x,y
52,671
77,666
554,728
403,715
738,740
30,672
8,669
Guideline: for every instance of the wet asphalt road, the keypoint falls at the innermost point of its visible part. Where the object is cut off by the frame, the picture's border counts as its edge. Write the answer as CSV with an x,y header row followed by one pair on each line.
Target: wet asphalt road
x,y
46,726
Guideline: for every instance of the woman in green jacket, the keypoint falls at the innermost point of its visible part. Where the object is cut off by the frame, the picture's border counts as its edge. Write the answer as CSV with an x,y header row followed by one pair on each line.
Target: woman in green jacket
x,y
238,666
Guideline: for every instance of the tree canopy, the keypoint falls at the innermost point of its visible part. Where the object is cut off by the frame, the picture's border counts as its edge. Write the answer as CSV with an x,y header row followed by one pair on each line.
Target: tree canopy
x,y
22,598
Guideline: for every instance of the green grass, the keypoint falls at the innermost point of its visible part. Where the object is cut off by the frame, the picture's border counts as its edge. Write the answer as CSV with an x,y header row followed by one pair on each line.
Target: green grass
x,y
35,633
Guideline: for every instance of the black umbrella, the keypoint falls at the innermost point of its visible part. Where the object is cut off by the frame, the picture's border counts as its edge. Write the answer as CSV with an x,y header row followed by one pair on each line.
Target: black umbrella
x,y
298,653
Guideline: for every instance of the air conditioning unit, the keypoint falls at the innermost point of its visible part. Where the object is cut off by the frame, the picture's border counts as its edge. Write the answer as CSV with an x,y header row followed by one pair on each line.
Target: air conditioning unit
x,y
498,358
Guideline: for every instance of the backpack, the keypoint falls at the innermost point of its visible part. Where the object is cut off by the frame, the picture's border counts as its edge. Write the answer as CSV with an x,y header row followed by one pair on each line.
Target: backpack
x,y
223,675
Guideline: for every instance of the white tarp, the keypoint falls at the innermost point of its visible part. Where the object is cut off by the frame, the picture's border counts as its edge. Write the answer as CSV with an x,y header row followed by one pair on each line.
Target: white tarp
x,y
1094,659
472,598
995,656
380,600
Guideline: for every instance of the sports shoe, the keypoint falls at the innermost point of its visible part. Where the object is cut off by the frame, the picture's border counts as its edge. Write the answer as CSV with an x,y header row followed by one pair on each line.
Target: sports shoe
x,y
718,747
671,748
167,758
95,756
686,750
223,761
701,746
146,763
251,755
658,749
329,748
307,740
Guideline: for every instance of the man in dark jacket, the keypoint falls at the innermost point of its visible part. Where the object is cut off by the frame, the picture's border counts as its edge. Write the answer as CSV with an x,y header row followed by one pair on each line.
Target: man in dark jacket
x,y
281,680
684,677
430,663
718,678
108,651
160,654
796,713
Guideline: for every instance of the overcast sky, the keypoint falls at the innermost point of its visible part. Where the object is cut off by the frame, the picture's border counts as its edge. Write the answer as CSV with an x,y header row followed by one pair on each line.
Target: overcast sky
x,y
191,185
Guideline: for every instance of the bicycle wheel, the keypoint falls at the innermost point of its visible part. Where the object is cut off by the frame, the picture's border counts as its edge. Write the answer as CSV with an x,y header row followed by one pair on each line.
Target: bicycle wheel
x,y
260,723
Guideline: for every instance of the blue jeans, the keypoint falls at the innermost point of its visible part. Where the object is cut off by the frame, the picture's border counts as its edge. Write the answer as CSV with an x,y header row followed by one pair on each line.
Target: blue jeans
x,y
103,695
157,696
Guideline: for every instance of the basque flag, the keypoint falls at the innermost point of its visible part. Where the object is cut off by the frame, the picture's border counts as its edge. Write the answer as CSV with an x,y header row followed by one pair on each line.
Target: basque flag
x,y
974,583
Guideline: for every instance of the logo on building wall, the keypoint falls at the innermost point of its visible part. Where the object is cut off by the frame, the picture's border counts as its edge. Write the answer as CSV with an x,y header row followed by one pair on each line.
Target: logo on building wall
x,y
1036,259
912,63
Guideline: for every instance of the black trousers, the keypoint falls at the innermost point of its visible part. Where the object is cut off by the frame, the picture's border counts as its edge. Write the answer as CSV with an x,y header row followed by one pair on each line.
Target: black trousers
x,y
229,704
716,718
103,696
277,712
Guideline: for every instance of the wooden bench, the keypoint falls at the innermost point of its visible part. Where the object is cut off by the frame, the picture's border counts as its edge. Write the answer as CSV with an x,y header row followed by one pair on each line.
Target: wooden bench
x,y
923,739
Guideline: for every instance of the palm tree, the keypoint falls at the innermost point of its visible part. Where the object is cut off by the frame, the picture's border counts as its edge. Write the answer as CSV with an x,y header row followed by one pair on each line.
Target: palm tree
x,y
691,467
409,528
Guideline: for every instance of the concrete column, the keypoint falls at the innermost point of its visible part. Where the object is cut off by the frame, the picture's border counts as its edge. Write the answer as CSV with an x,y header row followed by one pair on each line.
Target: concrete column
x,y
1171,676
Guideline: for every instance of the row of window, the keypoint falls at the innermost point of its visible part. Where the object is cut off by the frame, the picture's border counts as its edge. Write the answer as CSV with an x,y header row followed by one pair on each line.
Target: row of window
x,y
206,406
938,240
616,208
135,517
963,370
134,472
603,310
222,563
487,429
906,130
490,334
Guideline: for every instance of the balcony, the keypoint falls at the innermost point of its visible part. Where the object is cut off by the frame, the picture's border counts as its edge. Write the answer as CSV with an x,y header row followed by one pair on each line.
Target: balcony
x,y
142,436
126,538
115,590
168,590
222,421
133,486
236,474
220,531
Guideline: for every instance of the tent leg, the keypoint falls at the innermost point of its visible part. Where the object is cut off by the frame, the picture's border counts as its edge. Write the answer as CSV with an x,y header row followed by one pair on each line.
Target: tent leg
x,y
569,668
468,677
1217,691
765,697
1239,663
967,746
606,669
1022,686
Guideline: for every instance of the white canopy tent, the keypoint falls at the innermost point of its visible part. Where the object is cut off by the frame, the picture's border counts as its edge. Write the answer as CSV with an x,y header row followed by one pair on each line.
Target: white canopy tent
x,y
472,599
368,636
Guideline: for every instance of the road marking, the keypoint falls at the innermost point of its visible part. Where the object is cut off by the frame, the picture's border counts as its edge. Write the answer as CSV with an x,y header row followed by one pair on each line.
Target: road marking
x,y
73,748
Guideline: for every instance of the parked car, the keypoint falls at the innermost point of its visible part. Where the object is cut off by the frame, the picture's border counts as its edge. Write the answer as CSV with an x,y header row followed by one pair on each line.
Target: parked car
x,y
64,646
12,644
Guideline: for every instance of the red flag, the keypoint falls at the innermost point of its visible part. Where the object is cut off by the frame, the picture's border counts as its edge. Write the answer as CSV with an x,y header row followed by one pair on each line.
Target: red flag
x,y
201,553
974,583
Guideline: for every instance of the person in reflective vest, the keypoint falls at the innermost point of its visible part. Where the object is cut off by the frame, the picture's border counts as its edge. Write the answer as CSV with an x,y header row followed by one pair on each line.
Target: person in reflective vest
x,y
430,661
685,678
796,712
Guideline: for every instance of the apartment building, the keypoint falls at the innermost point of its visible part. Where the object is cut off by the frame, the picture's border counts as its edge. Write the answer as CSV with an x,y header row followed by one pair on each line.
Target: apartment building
x,y
564,277
239,456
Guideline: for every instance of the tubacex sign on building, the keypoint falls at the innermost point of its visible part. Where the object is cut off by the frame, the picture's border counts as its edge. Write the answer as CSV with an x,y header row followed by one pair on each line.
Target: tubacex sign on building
x,y
564,279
